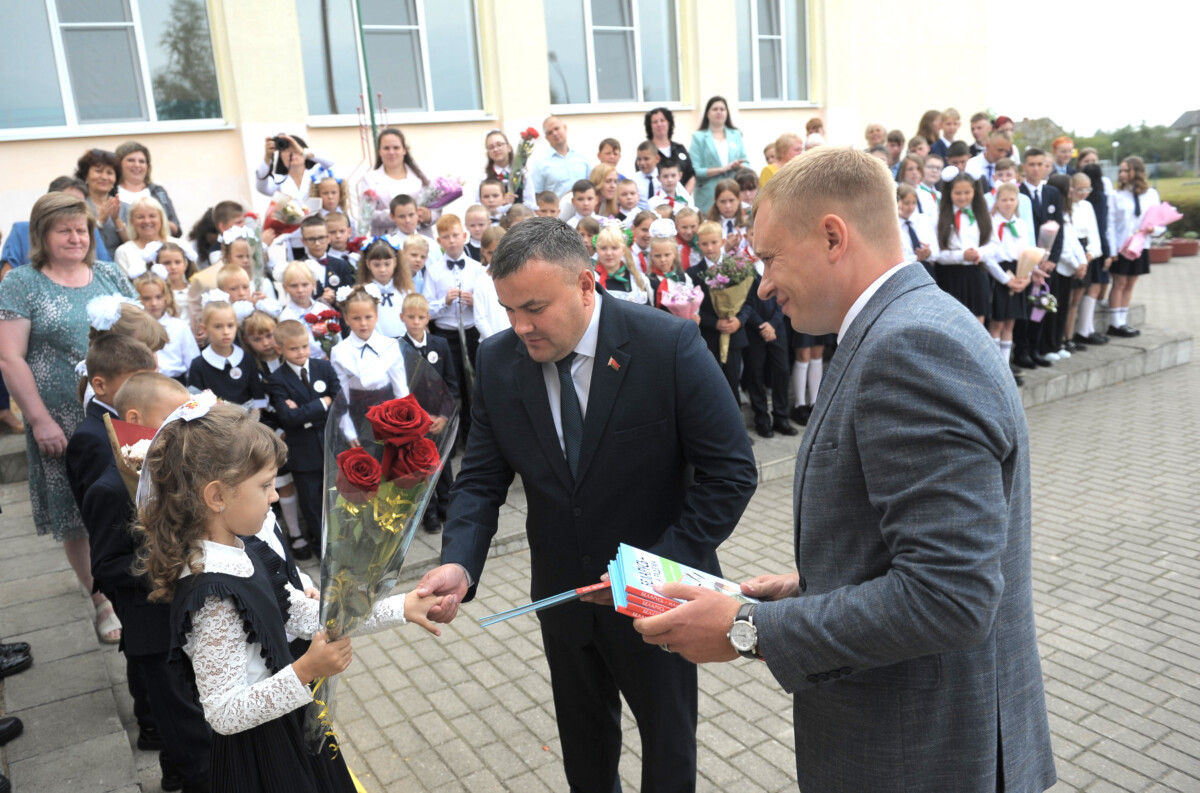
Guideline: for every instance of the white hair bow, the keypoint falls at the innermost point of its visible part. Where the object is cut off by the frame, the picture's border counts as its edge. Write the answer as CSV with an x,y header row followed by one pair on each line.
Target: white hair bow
x,y
269,305
213,296
195,408
233,234
663,228
104,311
243,309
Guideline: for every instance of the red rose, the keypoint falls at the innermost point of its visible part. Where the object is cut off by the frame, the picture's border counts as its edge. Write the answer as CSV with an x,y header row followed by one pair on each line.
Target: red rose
x,y
531,132
329,314
398,421
311,318
412,463
320,329
358,475
333,328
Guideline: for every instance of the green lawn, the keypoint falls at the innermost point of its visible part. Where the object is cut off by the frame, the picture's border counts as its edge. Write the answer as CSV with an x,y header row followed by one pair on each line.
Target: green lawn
x,y
1177,189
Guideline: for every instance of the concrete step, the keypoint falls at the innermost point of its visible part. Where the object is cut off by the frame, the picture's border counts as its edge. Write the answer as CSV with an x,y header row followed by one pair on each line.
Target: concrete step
x,y
14,465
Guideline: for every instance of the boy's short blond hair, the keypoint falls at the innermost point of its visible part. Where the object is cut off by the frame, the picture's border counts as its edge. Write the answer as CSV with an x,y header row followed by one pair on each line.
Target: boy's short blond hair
x,y
709,227
295,271
475,209
414,300
290,330
143,390
230,271
416,240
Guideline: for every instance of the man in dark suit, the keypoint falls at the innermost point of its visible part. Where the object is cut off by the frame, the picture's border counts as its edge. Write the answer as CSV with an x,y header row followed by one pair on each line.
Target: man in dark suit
x,y
642,394
906,634
1029,348
301,391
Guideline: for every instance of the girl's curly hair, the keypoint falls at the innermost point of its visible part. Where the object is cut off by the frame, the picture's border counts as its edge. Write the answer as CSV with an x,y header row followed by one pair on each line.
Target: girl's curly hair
x,y
225,445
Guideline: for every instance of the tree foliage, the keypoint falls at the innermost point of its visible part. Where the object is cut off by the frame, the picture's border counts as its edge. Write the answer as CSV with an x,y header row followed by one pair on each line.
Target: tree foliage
x,y
187,86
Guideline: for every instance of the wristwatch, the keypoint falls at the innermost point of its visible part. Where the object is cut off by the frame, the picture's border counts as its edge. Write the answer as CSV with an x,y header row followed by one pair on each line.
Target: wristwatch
x,y
742,634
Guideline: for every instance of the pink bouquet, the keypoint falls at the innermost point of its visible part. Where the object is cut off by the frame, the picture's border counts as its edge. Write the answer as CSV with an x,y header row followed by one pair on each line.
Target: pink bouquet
x,y
1157,215
439,192
682,300
728,287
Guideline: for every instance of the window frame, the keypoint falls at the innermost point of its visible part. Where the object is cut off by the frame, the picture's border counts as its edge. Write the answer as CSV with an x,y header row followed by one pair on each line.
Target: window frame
x,y
757,102
72,127
409,117
629,106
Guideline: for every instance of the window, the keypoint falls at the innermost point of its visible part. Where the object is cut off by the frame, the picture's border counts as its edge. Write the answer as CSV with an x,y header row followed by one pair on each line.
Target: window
x,y
604,51
416,55
89,62
772,38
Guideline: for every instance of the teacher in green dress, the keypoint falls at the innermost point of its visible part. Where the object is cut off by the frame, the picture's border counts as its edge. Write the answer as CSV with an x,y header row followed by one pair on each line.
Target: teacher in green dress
x,y
43,335
717,151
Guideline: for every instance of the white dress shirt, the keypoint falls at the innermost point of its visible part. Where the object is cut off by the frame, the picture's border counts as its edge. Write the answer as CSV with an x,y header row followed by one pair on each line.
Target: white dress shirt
x,y
926,234
490,316
440,279
1008,246
175,359
581,373
857,306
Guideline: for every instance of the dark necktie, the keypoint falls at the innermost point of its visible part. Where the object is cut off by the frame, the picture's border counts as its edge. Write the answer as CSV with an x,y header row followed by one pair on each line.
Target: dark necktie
x,y
452,263
912,235
991,172
571,415
304,375
1137,203
1037,200
729,226
649,187
228,366
386,300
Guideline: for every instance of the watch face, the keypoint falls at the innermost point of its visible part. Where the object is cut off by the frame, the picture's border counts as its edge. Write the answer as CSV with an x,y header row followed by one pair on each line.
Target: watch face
x,y
743,636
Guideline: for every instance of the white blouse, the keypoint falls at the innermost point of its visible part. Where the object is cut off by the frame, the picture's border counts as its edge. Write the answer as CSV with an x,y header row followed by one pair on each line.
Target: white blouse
x,y
269,183
490,316
965,239
1008,247
236,689
176,358
1125,221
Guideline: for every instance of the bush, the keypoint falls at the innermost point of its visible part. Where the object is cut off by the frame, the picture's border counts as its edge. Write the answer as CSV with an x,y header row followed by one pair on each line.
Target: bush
x,y
1189,207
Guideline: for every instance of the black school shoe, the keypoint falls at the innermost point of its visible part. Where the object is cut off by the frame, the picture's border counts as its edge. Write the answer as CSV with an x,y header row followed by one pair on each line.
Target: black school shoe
x,y
10,727
15,648
148,738
782,427
432,523
1125,332
12,664
300,552
764,429
800,414
1094,338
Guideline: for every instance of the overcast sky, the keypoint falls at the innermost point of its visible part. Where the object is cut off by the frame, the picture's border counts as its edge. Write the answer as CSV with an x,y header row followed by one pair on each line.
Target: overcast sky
x,y
1101,66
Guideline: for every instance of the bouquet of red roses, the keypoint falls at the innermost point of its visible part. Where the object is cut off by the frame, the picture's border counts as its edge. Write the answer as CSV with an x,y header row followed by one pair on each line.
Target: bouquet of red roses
x,y
386,441
284,215
326,328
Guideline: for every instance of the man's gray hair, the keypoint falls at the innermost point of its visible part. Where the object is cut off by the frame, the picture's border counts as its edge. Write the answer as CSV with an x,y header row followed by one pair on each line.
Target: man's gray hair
x,y
547,239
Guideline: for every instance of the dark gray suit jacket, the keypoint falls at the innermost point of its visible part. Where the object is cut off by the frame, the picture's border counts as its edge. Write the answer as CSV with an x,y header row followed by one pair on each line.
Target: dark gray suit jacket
x,y
665,465
912,654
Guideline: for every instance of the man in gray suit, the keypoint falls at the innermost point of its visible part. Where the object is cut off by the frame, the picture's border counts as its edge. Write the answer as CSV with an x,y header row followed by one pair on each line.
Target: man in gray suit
x,y
906,635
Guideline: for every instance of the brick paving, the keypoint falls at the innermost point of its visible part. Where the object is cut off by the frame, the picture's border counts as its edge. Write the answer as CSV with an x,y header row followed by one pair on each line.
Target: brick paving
x,y
1116,569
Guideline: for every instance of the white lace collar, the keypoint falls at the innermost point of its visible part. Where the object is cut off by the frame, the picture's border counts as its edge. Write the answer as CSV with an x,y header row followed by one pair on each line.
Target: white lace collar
x,y
218,361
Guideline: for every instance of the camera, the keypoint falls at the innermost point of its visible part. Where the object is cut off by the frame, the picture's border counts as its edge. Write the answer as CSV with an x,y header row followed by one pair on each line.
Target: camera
x,y
280,142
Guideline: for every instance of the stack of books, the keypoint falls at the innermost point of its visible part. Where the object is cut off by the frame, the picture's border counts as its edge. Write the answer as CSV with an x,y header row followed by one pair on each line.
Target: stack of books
x,y
632,578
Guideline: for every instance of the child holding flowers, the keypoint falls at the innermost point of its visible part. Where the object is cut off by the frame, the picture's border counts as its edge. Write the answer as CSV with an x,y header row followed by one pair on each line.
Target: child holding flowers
x,y
211,471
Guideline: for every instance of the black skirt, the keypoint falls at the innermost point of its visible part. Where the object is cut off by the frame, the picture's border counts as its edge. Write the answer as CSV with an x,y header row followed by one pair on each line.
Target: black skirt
x,y
272,757
1096,272
1006,305
1138,266
969,284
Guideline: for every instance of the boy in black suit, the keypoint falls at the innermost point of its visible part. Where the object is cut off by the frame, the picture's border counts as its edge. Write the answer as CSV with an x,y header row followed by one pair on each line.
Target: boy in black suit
x,y
711,327
146,399
334,270
767,360
1029,346
301,391
112,359
436,351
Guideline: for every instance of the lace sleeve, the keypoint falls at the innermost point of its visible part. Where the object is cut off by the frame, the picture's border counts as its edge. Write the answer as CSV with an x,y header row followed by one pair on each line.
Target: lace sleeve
x,y
217,647
388,613
304,615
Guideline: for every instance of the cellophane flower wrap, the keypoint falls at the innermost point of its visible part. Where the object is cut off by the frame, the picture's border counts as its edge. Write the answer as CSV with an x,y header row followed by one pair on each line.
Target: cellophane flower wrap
x,y
439,192
284,215
728,286
258,267
682,299
516,175
404,421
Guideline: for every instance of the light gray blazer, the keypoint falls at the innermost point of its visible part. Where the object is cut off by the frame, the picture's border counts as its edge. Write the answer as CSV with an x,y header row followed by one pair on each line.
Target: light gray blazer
x,y
911,653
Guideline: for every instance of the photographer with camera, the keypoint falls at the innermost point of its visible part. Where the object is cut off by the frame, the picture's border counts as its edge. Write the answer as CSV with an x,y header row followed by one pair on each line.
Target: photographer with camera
x,y
288,167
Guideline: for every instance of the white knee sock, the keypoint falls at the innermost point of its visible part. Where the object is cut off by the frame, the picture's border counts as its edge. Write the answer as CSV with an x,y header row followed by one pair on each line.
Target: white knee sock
x,y
1119,316
1085,325
799,380
290,507
997,340
816,368
1005,350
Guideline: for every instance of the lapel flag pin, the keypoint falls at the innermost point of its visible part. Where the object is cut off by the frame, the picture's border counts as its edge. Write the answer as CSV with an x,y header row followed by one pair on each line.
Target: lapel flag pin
x,y
612,364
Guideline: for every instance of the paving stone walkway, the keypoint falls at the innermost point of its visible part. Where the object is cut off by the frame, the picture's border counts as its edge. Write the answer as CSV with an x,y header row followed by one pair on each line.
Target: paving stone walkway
x,y
1117,593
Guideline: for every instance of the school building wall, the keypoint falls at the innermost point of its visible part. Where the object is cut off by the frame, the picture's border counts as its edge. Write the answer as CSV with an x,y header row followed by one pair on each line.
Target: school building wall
x,y
864,67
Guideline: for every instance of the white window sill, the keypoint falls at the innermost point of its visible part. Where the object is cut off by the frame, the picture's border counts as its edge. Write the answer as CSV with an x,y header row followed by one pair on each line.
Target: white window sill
x,y
775,105
594,108
124,129
403,119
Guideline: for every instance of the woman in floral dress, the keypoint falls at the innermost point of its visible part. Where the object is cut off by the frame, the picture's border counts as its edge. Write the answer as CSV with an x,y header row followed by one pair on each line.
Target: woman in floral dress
x,y
43,335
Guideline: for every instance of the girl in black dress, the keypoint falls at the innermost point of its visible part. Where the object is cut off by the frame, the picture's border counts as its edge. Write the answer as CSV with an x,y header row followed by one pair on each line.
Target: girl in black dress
x,y
211,472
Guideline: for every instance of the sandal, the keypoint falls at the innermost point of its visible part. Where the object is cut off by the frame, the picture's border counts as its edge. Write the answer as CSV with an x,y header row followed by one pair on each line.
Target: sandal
x,y
108,627
9,421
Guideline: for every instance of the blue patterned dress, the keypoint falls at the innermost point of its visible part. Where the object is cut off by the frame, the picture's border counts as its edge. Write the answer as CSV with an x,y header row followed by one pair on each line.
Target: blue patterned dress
x,y
58,340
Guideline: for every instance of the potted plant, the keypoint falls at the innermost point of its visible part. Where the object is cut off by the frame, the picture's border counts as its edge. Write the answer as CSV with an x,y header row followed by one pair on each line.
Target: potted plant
x,y
1160,252
1186,245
